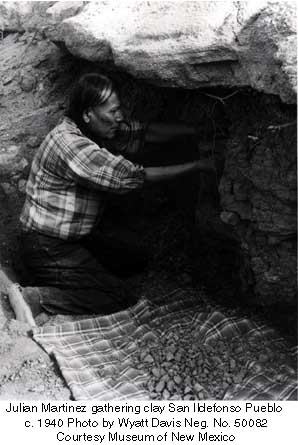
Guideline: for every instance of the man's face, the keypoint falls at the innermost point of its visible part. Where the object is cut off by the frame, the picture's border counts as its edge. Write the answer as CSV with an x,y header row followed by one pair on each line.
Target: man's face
x,y
105,119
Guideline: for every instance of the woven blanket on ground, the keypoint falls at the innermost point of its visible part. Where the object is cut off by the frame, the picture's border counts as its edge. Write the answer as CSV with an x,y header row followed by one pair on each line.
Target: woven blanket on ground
x,y
171,351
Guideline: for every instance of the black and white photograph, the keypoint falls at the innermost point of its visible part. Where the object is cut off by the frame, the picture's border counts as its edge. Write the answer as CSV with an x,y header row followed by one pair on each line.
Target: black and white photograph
x,y
148,217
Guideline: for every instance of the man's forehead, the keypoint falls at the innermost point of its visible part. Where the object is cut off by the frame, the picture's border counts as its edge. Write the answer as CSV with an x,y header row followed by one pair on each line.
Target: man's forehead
x,y
112,101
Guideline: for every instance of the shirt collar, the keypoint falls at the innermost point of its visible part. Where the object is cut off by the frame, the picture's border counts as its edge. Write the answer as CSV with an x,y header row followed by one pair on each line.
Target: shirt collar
x,y
71,125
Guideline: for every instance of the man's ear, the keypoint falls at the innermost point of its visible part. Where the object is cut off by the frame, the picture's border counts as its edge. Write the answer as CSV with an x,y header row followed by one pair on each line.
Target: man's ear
x,y
86,117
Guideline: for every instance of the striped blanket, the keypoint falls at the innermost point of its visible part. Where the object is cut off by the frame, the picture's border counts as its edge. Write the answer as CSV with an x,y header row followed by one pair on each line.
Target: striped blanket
x,y
97,356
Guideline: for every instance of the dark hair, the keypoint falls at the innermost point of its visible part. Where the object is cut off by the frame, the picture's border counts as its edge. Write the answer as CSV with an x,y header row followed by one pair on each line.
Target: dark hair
x,y
90,90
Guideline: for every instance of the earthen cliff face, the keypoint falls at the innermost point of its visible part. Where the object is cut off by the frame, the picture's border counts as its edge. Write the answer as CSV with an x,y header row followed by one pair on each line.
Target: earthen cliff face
x,y
230,68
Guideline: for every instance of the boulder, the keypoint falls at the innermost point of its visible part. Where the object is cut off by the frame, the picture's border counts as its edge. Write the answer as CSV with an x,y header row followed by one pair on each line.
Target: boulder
x,y
267,49
188,44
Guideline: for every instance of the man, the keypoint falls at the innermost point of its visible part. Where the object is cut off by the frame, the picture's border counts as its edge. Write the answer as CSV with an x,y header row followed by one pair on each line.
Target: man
x,y
77,267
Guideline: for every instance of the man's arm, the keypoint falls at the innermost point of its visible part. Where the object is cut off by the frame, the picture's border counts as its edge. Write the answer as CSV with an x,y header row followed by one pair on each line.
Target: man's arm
x,y
157,174
163,132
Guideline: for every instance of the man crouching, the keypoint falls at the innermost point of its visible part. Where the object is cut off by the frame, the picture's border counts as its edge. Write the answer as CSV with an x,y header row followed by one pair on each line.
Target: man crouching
x,y
78,267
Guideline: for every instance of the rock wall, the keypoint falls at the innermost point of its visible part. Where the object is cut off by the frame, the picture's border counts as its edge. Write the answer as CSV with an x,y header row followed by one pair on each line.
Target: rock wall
x,y
231,71
258,193
35,76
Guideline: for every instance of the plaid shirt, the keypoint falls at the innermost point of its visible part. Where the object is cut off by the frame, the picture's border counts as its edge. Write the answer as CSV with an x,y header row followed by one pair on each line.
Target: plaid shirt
x,y
70,177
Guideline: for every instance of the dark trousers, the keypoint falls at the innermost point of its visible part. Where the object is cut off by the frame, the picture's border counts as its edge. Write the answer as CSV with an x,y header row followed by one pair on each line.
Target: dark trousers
x,y
85,276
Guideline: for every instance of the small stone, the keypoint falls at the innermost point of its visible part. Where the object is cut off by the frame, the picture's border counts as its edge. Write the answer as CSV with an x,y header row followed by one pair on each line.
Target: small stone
x,y
171,385
201,395
160,386
22,185
177,379
237,379
257,368
217,360
175,397
151,387
33,141
188,380
170,356
263,358
156,372
148,358
39,388
231,218
171,372
27,83
178,356
165,377
187,390
166,395
7,80
8,188
198,387
166,364
143,354
232,364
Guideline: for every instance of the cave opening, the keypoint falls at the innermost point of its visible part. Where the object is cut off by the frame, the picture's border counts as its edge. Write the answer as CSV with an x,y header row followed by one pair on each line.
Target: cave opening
x,y
180,220
195,242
